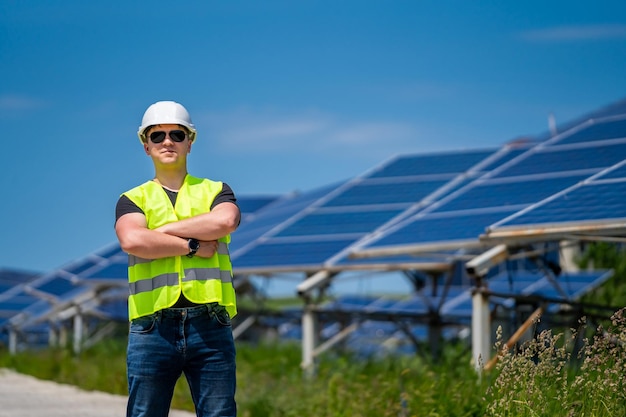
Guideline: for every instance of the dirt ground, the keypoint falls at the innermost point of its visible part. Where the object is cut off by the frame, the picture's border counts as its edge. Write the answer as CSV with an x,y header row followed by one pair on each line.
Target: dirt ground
x,y
25,396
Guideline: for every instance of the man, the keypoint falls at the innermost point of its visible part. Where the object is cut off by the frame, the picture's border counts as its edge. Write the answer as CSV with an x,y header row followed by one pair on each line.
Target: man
x,y
176,229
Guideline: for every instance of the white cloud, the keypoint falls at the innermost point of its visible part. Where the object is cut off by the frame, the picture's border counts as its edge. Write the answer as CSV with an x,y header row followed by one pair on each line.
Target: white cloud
x,y
415,91
273,134
363,133
247,131
576,33
12,102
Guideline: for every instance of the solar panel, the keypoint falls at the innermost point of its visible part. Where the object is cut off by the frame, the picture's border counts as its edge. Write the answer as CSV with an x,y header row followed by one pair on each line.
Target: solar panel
x,y
251,204
351,302
286,253
389,192
321,231
116,271
543,171
598,130
9,278
57,286
568,286
431,164
580,204
599,201
516,193
594,156
18,302
452,304
265,220
326,223
440,228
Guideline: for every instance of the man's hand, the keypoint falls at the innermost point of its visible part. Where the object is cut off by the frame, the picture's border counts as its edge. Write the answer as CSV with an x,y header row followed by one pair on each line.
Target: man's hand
x,y
207,248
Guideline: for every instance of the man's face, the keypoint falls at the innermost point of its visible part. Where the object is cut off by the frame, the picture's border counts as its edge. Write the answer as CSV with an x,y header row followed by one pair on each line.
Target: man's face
x,y
168,150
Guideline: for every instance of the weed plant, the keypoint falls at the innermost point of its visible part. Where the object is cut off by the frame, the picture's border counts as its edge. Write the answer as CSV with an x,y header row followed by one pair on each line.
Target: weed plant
x,y
549,376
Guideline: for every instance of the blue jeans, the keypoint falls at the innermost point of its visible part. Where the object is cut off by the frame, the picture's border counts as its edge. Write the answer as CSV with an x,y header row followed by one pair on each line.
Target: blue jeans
x,y
196,341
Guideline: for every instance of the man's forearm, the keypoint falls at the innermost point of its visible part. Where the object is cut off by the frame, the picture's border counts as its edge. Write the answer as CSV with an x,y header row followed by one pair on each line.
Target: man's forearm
x,y
152,244
206,226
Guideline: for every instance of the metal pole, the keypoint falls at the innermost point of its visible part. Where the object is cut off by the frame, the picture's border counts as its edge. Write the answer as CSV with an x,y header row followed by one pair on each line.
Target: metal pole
x,y
78,332
12,341
309,338
481,333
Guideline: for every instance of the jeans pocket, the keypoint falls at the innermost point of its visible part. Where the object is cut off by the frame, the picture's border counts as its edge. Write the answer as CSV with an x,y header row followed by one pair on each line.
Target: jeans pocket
x,y
222,317
143,324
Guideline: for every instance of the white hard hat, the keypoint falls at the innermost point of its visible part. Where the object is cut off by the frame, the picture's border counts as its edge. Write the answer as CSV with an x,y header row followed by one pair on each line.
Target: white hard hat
x,y
165,113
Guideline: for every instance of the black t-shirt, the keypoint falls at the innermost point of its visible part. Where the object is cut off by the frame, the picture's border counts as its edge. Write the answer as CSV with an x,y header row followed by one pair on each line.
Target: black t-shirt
x,y
125,204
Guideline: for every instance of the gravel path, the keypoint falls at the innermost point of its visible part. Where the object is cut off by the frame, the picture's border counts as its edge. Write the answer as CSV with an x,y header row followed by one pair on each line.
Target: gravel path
x,y
25,396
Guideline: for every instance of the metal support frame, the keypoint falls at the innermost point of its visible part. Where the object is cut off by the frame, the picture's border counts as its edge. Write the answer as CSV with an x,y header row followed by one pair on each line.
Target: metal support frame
x,y
243,326
479,266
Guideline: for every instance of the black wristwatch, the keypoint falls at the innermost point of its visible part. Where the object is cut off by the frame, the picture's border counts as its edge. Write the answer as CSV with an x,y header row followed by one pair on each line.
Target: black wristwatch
x,y
194,245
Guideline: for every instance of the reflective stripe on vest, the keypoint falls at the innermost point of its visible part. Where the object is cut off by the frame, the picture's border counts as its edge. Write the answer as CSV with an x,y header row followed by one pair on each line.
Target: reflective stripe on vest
x,y
155,284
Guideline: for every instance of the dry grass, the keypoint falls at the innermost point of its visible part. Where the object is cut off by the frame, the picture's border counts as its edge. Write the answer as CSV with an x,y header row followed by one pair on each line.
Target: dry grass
x,y
553,376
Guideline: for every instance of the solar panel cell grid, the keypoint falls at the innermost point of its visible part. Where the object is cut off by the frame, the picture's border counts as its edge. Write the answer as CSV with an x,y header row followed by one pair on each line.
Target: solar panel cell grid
x,y
505,157
291,253
82,266
617,173
19,302
522,192
563,160
444,163
589,202
442,228
414,305
350,302
387,193
111,271
338,223
251,204
57,286
602,130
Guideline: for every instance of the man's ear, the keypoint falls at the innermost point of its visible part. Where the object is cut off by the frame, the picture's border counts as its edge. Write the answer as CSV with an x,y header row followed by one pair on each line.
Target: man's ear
x,y
145,148
189,148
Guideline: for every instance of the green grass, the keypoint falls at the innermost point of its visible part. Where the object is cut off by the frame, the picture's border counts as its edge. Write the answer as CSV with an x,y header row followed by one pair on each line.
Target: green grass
x,y
547,377
551,376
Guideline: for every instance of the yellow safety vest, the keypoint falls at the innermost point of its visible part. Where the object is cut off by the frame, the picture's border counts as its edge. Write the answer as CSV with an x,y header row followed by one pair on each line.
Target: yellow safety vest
x,y
156,284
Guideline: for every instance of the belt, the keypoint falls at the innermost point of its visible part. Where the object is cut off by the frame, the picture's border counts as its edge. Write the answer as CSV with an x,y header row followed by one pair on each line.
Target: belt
x,y
190,312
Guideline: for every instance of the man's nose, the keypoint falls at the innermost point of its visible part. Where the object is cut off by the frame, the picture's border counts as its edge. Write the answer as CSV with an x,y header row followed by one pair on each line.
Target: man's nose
x,y
168,138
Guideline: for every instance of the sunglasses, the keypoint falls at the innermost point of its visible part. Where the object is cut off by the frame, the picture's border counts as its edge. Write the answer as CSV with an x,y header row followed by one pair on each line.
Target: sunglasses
x,y
175,135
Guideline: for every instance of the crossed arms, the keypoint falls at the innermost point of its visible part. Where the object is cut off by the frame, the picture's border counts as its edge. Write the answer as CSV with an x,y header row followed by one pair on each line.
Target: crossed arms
x,y
171,239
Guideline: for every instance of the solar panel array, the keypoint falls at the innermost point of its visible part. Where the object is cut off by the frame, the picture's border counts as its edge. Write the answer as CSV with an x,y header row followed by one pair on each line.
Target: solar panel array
x,y
385,320
537,174
596,201
318,235
422,203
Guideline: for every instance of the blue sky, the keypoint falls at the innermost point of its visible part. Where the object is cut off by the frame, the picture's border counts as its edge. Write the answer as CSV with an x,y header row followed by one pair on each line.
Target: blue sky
x,y
286,95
